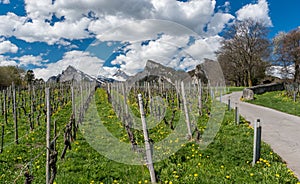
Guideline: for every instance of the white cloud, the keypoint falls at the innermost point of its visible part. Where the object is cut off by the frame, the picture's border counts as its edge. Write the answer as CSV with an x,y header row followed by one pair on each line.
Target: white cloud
x,y
129,30
125,21
9,23
217,23
137,9
194,14
7,47
44,32
79,59
99,16
205,48
39,9
161,50
30,60
4,1
171,51
259,12
6,61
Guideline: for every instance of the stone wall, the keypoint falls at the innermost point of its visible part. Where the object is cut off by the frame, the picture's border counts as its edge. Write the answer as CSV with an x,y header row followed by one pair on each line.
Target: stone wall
x,y
248,93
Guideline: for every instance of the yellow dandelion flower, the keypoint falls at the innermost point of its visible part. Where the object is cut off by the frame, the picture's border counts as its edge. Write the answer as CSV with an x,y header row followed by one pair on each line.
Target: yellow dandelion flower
x,y
170,182
146,181
222,166
251,174
195,175
227,177
277,175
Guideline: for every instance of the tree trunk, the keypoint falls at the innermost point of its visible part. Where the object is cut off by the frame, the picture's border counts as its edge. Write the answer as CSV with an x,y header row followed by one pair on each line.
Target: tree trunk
x,y
297,72
249,78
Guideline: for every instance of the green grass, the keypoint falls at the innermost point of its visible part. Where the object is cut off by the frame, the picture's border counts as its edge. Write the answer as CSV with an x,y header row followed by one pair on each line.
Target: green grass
x,y
278,100
234,89
226,160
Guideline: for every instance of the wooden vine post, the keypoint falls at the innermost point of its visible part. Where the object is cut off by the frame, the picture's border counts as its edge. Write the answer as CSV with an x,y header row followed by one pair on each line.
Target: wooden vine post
x,y
48,132
2,138
73,112
5,119
146,138
200,97
4,107
15,113
186,111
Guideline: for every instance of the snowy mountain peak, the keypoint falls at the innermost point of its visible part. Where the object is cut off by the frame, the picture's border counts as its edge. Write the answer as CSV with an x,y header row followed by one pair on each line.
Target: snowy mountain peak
x,y
120,75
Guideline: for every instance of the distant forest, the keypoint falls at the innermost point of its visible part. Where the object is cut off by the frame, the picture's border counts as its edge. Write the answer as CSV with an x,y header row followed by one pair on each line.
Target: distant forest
x,y
14,74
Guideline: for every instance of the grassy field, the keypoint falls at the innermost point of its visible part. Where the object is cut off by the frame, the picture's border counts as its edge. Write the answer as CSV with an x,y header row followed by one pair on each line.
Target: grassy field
x,y
226,160
278,100
234,89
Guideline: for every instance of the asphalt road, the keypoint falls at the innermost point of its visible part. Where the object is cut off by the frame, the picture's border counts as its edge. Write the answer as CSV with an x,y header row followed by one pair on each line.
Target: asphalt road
x,y
280,130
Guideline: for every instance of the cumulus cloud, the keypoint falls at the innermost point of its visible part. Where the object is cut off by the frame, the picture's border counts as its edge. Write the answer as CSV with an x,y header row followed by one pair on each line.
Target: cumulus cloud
x,y
205,48
6,61
9,23
4,1
194,14
137,9
81,60
172,51
80,19
167,24
161,50
6,46
218,22
132,31
30,60
259,12
44,32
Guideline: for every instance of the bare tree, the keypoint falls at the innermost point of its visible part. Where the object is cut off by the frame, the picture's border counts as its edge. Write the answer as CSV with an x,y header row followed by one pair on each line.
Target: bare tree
x,y
244,52
287,52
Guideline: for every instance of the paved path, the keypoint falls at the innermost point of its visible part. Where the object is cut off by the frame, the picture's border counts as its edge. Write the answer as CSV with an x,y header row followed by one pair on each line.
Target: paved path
x,y
280,130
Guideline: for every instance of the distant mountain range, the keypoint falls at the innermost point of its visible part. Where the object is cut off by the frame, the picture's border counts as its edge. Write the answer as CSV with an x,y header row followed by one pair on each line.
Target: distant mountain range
x,y
73,74
209,69
120,75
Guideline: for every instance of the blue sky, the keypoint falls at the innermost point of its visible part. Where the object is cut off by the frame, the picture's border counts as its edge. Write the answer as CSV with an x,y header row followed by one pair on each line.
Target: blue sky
x,y
100,36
